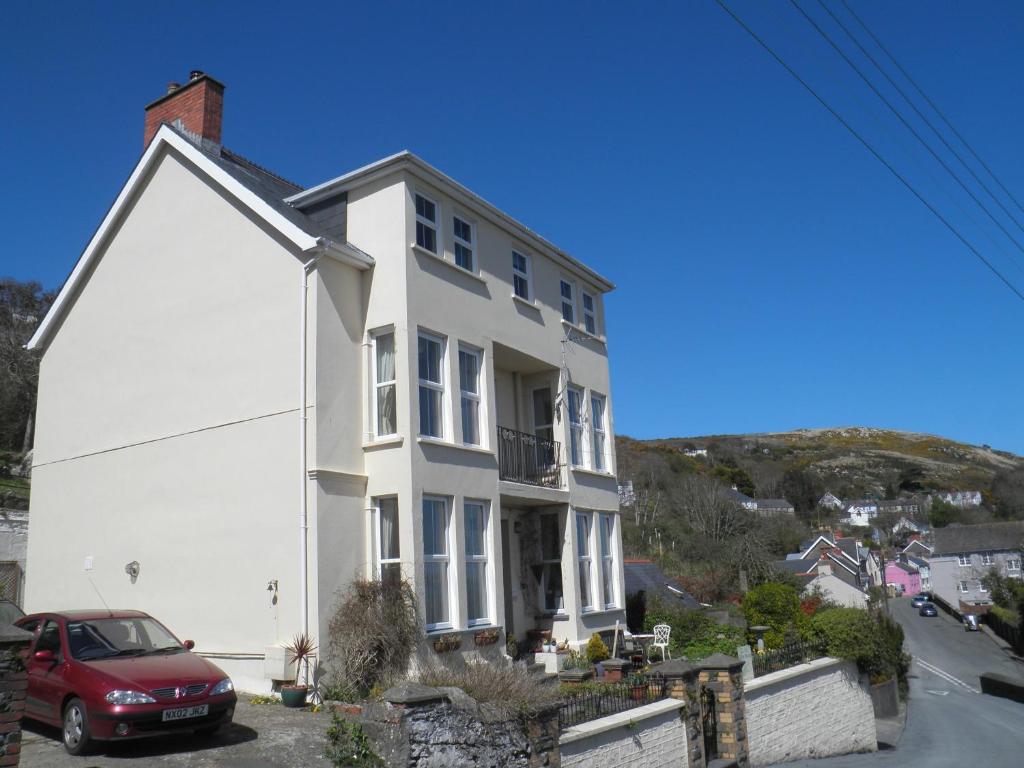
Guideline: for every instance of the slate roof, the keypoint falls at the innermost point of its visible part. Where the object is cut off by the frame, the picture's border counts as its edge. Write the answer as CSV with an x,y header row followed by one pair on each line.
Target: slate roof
x,y
849,548
643,575
795,566
773,504
954,539
905,567
737,496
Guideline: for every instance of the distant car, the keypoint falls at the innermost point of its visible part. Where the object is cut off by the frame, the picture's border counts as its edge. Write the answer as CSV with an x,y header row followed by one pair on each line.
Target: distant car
x,y
928,609
920,599
119,675
972,622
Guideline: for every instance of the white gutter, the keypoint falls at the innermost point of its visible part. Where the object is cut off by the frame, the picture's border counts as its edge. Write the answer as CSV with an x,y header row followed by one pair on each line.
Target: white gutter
x,y
303,479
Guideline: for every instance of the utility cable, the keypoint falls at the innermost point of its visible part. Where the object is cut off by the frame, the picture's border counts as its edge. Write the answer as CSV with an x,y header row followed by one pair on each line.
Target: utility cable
x,y
867,145
906,124
931,104
920,114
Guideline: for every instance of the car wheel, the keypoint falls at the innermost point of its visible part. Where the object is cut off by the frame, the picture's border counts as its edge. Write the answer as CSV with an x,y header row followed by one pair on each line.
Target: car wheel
x,y
76,728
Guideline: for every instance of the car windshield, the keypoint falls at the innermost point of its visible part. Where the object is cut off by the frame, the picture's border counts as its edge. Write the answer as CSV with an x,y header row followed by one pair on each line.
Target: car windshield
x,y
106,638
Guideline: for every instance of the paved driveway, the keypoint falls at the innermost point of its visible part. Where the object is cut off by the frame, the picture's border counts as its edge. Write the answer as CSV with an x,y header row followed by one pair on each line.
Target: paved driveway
x,y
261,736
949,722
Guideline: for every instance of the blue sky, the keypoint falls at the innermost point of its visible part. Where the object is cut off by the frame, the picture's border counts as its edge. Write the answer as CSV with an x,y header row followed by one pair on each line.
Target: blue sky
x,y
770,273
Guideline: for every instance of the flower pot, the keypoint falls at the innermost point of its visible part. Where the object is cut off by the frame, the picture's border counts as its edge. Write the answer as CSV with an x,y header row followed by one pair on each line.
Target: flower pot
x,y
486,637
637,692
294,696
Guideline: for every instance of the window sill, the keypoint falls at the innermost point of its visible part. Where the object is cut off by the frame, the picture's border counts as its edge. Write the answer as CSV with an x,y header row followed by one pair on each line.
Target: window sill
x,y
601,612
525,302
451,265
563,616
594,472
587,334
384,442
457,446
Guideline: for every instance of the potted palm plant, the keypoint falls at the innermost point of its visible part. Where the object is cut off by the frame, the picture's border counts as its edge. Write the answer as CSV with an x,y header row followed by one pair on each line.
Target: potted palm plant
x,y
300,650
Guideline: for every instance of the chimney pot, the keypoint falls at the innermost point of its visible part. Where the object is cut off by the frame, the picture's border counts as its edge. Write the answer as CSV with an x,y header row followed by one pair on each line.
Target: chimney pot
x,y
195,74
172,86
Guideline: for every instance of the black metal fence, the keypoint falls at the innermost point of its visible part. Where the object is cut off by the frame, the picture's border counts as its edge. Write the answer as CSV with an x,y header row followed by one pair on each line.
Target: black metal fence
x,y
601,699
525,458
787,656
1006,630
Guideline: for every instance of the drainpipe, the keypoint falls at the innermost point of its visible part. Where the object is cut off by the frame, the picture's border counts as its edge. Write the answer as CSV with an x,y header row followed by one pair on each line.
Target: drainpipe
x,y
303,480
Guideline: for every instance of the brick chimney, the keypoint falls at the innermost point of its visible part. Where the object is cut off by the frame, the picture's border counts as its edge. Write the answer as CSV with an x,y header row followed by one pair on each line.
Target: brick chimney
x,y
198,105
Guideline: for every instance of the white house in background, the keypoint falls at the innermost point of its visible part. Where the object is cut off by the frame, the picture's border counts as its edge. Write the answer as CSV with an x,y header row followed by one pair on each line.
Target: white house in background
x,y
961,498
259,392
830,501
860,512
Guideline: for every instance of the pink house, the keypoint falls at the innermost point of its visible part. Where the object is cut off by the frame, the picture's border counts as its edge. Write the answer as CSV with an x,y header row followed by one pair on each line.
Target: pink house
x,y
904,575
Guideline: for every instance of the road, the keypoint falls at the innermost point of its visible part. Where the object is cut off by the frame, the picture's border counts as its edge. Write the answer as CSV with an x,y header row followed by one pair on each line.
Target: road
x,y
949,722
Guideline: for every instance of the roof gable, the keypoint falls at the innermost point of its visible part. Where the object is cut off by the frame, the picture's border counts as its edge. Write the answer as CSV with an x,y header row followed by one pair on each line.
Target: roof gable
x,y
253,189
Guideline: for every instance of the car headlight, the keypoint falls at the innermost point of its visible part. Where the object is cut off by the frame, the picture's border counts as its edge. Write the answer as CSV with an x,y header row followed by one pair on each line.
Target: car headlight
x,y
129,697
224,686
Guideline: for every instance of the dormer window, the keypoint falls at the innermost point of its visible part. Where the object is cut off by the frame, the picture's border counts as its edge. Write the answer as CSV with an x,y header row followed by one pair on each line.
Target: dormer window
x,y
426,223
463,235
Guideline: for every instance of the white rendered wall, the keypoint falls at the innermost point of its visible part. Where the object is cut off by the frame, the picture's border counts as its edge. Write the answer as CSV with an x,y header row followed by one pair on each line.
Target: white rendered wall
x,y
651,736
813,710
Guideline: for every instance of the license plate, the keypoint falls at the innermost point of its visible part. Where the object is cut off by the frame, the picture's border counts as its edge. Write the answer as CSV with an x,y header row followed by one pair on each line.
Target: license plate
x,y
184,713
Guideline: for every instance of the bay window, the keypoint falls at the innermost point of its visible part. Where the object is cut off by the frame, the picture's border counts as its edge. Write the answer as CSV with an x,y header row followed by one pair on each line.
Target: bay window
x,y
477,595
431,364
574,404
598,432
384,400
584,560
551,563
389,564
469,386
436,587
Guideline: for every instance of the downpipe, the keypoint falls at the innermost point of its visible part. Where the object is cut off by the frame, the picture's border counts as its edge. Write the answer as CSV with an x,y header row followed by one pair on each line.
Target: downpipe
x,y
303,479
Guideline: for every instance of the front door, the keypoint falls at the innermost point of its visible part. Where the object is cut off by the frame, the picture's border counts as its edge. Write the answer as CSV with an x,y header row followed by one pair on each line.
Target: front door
x,y
506,575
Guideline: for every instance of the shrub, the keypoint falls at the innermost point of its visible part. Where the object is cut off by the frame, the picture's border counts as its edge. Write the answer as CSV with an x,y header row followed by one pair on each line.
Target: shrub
x,y
348,746
776,606
873,641
597,651
636,607
510,688
373,633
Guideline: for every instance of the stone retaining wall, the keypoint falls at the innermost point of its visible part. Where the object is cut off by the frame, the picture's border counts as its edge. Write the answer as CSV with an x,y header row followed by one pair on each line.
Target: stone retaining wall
x,y
811,710
652,736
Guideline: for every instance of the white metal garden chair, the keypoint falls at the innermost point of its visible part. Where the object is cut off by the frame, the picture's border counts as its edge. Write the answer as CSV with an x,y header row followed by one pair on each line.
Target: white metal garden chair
x,y
661,634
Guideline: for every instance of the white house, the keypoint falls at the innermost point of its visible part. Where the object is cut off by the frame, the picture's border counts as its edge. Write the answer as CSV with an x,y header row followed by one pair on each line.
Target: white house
x,y
258,392
961,498
860,512
830,501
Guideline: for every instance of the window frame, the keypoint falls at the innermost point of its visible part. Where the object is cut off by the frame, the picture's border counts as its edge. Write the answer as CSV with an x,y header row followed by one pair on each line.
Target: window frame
x,y
381,562
569,301
981,587
1013,564
525,275
434,225
963,561
606,537
987,558
475,398
435,386
469,245
575,429
599,430
962,586
585,559
547,563
482,560
444,559
590,314
378,385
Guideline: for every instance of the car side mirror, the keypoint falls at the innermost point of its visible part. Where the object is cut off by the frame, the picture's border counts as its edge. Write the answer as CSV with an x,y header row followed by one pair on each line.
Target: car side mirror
x,y
189,645
44,657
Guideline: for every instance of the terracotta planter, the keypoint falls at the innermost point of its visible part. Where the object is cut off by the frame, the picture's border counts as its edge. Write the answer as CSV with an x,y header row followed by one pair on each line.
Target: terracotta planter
x,y
294,696
637,692
486,637
447,643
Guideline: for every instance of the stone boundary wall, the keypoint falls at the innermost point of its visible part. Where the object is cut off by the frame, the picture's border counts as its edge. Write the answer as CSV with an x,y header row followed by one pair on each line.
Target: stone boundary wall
x,y
812,710
651,736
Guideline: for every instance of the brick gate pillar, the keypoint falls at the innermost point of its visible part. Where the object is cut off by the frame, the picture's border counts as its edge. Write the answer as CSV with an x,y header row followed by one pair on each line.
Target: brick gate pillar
x,y
13,684
681,683
723,675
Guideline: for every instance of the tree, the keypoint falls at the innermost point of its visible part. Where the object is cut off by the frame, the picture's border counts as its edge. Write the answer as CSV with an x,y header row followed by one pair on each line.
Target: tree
x,y
802,488
776,606
22,307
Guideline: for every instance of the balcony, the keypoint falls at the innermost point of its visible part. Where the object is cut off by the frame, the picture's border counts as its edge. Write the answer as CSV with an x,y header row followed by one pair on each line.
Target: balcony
x,y
524,458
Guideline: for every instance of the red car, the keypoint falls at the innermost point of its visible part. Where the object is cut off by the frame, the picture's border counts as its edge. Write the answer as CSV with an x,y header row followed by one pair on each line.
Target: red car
x,y
117,675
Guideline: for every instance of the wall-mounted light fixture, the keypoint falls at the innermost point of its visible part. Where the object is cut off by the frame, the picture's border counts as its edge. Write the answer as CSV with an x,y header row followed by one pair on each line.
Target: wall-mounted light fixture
x,y
132,569
272,588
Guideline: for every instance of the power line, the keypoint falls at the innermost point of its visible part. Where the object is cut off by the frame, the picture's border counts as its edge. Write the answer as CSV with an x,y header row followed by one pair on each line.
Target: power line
x,y
871,149
918,112
931,104
906,124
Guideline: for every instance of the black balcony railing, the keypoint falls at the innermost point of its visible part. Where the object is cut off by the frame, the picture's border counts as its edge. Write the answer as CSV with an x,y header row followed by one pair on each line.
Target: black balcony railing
x,y
524,458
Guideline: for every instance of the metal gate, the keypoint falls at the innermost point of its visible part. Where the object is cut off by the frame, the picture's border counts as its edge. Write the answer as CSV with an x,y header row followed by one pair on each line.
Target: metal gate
x,y
709,723
10,581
